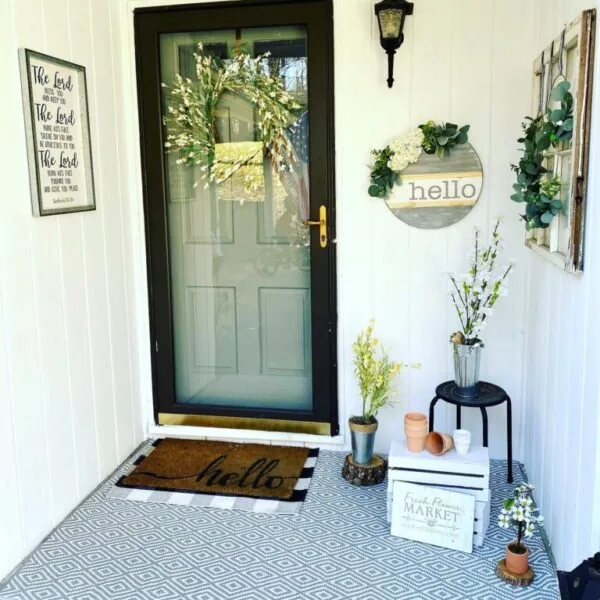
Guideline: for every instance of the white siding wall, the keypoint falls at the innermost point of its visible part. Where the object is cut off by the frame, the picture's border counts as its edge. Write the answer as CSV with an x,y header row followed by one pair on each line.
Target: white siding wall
x,y
68,370
560,434
70,355
466,62
455,65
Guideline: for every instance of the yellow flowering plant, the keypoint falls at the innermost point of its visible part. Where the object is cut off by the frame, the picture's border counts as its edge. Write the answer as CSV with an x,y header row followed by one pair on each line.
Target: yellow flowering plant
x,y
375,372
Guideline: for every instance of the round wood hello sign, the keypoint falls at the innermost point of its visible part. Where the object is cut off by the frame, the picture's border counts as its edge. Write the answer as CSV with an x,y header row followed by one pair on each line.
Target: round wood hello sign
x,y
437,192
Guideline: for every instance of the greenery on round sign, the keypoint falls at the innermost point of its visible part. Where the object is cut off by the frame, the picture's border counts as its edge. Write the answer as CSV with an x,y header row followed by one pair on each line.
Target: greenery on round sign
x,y
429,137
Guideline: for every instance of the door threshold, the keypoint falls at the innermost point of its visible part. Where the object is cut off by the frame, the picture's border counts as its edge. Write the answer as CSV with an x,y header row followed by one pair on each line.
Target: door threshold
x,y
266,425
243,435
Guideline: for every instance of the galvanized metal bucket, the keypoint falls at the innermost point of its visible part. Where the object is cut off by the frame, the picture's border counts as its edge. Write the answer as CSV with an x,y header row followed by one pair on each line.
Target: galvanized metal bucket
x,y
467,364
363,441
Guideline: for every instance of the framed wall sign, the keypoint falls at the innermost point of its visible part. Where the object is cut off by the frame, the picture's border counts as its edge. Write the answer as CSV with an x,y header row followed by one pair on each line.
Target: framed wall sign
x,y
58,134
433,516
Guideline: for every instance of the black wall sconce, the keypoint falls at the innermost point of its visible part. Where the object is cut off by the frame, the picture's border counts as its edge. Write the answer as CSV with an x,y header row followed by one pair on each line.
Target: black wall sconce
x,y
391,15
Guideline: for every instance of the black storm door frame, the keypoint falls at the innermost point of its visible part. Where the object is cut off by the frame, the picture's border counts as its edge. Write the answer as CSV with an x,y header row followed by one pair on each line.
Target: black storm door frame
x,y
317,17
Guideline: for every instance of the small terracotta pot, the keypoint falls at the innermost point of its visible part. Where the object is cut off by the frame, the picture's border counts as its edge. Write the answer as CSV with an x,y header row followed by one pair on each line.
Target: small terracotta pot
x,y
439,443
415,431
415,419
516,563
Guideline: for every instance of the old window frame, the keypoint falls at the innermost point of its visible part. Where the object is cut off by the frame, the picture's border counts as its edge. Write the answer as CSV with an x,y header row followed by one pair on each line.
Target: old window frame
x,y
578,36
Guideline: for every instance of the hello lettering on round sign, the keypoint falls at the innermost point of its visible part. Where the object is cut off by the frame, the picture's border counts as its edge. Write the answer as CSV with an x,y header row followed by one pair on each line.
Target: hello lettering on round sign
x,y
437,192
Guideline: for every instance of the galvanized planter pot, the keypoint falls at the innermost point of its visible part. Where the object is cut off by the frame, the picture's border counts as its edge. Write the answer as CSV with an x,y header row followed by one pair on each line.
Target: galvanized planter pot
x,y
467,364
363,441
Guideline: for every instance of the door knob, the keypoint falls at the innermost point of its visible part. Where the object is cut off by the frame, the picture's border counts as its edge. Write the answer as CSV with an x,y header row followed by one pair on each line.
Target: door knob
x,y
322,224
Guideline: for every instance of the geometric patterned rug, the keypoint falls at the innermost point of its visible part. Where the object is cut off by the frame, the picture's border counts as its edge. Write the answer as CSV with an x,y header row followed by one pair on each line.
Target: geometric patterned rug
x,y
338,547
220,501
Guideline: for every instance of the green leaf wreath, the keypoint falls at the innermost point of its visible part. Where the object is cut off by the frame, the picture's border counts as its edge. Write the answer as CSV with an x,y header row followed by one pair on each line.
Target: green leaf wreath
x,y
430,137
534,187
190,116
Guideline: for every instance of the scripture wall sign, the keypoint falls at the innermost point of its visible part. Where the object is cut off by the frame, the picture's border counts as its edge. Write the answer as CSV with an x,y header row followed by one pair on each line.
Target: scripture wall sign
x,y
433,516
58,134
437,192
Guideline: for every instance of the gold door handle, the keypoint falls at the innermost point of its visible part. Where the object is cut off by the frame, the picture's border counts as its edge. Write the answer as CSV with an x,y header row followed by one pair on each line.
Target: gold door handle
x,y
322,224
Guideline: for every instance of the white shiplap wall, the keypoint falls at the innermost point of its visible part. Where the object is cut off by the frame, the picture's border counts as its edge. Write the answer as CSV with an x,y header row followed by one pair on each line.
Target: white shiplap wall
x,y
560,442
454,65
70,356
68,369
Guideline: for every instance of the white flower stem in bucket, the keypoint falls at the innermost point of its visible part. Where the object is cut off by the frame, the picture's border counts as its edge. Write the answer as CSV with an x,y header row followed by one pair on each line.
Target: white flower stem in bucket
x,y
474,296
467,365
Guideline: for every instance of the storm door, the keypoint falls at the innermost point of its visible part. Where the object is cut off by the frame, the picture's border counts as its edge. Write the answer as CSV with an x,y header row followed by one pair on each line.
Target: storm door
x,y
237,146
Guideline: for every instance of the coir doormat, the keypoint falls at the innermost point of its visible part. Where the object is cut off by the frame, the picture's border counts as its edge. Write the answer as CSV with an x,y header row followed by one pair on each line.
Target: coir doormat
x,y
250,477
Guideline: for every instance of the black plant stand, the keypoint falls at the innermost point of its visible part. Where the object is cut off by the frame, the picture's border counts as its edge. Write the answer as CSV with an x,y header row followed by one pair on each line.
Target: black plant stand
x,y
489,395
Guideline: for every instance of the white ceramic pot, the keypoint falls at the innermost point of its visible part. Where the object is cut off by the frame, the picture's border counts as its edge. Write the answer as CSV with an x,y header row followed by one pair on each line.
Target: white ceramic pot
x,y
462,441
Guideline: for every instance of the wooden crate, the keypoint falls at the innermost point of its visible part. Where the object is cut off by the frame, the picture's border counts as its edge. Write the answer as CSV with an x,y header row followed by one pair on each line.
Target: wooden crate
x,y
468,474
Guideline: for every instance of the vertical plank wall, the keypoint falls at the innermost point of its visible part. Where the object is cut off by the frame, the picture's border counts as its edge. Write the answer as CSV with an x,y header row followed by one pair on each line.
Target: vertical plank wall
x,y
561,391
68,351
68,373
455,65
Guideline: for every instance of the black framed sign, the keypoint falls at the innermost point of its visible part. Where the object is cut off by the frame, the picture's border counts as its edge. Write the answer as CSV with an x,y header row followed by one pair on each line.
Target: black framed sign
x,y
58,134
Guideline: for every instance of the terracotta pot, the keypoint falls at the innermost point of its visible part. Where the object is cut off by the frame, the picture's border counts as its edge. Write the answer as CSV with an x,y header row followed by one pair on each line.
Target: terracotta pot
x,y
439,443
516,563
416,420
415,443
415,431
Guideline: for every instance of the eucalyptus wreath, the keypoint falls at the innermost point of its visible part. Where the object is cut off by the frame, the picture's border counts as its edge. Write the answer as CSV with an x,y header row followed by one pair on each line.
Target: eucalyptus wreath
x,y
534,187
429,137
190,115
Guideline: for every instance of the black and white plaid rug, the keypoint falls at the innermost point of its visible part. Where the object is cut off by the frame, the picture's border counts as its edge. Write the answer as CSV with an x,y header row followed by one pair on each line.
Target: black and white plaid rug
x,y
292,505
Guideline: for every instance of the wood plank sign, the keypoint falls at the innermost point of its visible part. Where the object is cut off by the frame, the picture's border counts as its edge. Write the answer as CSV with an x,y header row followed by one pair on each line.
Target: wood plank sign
x,y
437,192
433,516
58,134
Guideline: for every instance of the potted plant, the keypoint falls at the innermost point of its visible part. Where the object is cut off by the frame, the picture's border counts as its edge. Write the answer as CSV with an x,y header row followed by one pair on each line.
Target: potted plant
x,y
474,296
519,511
374,372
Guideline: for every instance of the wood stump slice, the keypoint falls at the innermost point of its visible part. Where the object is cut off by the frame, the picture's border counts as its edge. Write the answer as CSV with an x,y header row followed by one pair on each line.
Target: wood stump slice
x,y
370,474
522,580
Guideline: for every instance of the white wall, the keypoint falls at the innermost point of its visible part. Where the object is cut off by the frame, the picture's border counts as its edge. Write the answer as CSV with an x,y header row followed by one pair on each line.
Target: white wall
x,y
68,370
560,443
455,65
70,353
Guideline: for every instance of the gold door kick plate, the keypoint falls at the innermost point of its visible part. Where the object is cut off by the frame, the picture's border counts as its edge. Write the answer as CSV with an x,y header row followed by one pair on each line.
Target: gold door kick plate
x,y
271,425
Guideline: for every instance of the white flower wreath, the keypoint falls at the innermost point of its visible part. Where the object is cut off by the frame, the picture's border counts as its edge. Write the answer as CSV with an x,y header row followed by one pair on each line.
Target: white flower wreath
x,y
191,113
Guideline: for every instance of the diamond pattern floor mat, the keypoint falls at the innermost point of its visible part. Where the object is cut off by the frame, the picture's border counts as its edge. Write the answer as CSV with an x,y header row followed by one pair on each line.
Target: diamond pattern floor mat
x,y
338,548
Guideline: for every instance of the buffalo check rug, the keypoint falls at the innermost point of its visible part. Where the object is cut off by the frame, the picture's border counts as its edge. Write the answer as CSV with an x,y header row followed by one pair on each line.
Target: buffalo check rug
x,y
249,477
338,547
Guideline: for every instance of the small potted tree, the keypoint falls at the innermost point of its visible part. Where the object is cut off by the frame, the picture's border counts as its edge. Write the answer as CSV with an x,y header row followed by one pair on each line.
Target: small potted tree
x,y
519,511
374,372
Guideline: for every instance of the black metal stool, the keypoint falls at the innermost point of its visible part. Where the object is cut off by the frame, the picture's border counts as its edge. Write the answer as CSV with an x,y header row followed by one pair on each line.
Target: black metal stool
x,y
489,395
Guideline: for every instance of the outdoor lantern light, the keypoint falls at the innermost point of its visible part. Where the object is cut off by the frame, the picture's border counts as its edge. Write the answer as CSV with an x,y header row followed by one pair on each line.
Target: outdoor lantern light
x,y
390,16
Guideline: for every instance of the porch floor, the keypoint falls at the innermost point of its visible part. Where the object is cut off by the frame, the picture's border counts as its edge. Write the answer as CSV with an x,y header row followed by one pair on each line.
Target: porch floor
x,y
339,547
